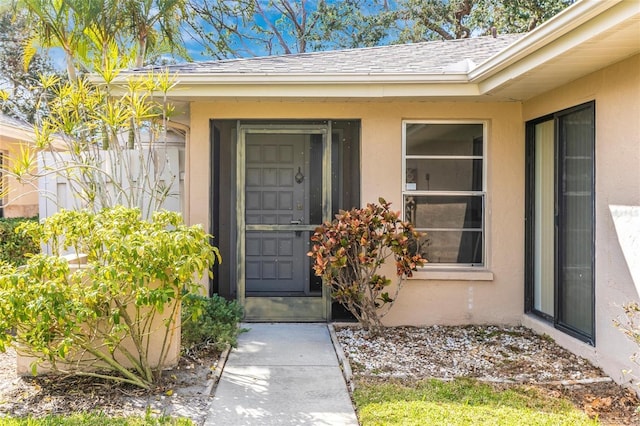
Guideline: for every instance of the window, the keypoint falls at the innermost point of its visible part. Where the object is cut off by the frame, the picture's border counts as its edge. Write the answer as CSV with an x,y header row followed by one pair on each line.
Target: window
x,y
560,221
444,189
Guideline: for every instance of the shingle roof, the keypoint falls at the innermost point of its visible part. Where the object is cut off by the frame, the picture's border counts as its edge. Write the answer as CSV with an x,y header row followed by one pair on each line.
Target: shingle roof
x,y
433,57
6,120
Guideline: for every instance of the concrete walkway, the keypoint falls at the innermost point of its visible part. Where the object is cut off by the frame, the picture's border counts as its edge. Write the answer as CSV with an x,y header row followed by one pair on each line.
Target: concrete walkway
x,y
282,374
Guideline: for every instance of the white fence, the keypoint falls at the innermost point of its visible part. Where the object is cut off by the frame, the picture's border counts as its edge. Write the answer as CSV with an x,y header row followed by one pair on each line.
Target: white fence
x,y
56,191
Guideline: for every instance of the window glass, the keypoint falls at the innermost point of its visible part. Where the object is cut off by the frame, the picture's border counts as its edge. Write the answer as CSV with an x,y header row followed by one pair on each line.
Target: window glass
x,y
444,174
444,139
442,211
444,194
345,165
452,247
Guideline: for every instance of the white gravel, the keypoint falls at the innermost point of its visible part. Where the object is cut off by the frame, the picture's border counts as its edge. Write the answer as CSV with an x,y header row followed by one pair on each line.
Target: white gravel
x,y
491,353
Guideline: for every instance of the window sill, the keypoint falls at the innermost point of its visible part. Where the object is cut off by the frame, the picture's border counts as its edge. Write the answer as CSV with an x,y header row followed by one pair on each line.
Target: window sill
x,y
453,275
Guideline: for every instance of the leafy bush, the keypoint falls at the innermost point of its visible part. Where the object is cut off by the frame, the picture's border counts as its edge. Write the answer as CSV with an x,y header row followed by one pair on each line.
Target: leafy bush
x,y
210,321
117,316
348,252
13,246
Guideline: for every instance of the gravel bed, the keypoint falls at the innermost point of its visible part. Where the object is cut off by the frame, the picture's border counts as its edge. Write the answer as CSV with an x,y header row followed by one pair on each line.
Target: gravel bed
x,y
512,354
504,356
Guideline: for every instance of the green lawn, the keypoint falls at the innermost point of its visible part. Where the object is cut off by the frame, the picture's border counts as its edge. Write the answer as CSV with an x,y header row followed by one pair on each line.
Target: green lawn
x,y
94,419
461,402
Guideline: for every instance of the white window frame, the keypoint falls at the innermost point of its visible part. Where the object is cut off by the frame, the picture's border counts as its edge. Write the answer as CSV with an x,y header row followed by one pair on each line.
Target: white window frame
x,y
405,192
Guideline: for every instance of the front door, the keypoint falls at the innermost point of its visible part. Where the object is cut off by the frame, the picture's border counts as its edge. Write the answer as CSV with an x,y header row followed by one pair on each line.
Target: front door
x,y
282,199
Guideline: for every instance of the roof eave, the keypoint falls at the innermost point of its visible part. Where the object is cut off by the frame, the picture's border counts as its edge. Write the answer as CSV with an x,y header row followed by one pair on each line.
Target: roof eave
x,y
217,79
311,90
566,30
318,85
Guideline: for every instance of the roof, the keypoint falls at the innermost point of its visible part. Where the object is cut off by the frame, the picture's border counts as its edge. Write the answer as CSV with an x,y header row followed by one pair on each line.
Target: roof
x,y
434,57
587,36
6,120
14,128
17,130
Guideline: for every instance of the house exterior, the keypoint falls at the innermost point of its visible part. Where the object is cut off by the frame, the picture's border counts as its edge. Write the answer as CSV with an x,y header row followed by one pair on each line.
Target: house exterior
x,y
18,199
517,155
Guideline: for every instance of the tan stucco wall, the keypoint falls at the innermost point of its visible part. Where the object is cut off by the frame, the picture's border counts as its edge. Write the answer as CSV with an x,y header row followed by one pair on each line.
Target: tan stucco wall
x,y
22,198
468,297
616,91
497,295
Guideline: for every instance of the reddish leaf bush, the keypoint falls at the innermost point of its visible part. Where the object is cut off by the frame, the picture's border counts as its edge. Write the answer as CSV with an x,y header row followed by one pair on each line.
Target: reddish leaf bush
x,y
349,251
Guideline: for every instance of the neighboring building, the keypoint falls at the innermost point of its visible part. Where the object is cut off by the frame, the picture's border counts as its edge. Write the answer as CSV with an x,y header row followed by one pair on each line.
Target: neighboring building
x,y
18,199
518,155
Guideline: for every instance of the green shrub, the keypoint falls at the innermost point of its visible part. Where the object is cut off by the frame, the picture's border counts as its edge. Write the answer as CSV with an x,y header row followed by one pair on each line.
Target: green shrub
x,y
80,321
14,246
211,320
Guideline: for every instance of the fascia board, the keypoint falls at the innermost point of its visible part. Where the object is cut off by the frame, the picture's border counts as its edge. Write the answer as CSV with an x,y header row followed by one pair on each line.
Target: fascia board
x,y
211,85
193,91
18,134
216,79
563,23
533,53
317,78
560,46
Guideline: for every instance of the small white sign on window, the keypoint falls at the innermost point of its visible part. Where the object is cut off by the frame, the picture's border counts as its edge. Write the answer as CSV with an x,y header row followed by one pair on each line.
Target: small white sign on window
x,y
411,186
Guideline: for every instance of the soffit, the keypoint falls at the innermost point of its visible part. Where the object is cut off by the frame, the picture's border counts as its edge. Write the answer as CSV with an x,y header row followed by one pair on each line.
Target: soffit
x,y
567,59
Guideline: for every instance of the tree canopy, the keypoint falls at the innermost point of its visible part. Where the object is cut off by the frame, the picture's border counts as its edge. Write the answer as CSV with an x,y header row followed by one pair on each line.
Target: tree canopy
x,y
146,30
422,20
87,30
255,27
258,27
20,84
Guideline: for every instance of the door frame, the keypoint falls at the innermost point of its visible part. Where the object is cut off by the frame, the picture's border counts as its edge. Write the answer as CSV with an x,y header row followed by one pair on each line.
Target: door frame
x,y
278,308
559,223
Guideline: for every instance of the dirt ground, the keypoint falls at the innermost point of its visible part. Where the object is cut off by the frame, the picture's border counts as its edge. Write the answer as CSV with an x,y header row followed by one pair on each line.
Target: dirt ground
x,y
185,391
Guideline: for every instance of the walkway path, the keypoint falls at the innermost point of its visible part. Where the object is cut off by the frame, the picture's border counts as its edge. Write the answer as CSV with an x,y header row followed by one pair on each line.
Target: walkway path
x,y
282,374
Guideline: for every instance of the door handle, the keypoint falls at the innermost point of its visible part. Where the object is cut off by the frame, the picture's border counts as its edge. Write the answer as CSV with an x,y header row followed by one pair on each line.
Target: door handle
x,y
297,222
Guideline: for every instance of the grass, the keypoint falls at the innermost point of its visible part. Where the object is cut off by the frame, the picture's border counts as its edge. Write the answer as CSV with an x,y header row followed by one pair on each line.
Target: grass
x,y
461,402
94,419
